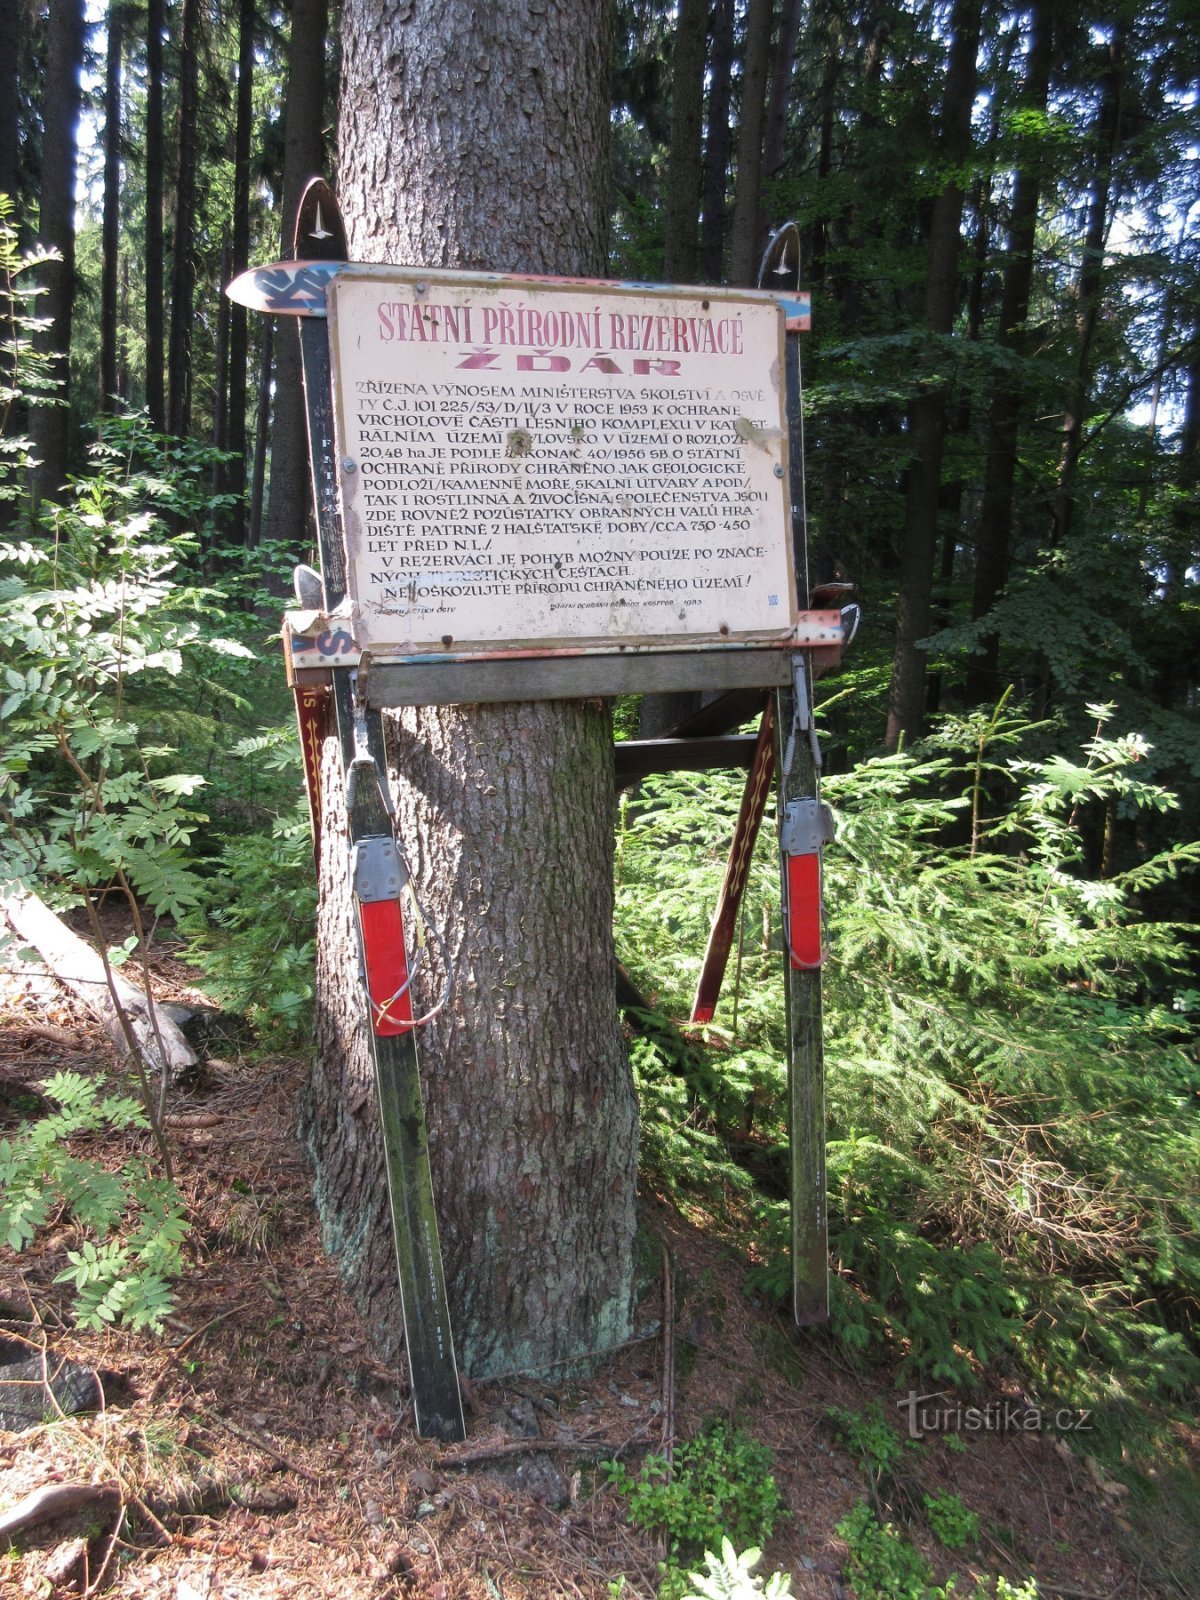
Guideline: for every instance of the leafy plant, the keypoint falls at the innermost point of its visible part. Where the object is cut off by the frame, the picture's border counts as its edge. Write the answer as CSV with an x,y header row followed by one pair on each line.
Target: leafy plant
x,y
952,1523
1012,1167
719,1486
730,1576
870,1436
882,1564
136,1222
255,933
26,371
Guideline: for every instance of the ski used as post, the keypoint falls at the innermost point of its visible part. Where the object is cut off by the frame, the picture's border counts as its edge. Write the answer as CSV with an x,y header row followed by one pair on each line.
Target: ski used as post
x,y
798,765
378,882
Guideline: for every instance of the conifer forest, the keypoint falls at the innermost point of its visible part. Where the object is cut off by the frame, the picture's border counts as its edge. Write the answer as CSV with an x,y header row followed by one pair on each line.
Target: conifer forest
x,y
998,210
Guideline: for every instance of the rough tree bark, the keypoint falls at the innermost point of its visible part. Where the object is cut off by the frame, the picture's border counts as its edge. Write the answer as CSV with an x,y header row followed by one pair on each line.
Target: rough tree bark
x,y
743,264
111,224
262,428
468,140
239,333
927,413
779,96
717,145
994,541
56,227
684,159
11,29
183,265
287,505
156,395
1112,130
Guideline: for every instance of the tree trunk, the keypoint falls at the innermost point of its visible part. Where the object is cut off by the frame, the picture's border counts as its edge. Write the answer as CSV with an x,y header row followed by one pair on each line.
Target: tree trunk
x,y
258,474
466,142
927,413
995,521
183,265
779,98
1176,677
827,38
56,229
156,400
717,146
239,337
221,385
1109,136
743,264
12,31
111,223
287,504
684,159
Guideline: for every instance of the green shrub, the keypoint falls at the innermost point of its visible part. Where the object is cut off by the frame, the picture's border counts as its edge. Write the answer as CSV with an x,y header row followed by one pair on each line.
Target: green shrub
x,y
952,1523
1013,1167
255,933
882,1564
730,1576
135,1222
719,1486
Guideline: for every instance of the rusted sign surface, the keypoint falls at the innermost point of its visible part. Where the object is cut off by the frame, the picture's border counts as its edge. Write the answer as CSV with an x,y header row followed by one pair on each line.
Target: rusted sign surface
x,y
527,464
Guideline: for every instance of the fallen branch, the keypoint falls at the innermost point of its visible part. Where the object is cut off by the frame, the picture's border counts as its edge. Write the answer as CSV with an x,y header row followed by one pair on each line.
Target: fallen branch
x,y
56,1500
259,1443
61,1036
75,963
173,1354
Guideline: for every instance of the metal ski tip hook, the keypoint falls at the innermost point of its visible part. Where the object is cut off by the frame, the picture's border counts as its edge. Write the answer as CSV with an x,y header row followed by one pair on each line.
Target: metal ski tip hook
x,y
777,257
319,231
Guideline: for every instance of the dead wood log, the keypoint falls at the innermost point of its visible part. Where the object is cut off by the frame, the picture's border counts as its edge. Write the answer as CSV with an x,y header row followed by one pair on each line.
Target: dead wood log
x,y
55,1500
76,964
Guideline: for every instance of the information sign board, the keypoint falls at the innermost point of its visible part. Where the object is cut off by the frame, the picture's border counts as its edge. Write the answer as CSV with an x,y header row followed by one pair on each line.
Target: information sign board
x,y
549,465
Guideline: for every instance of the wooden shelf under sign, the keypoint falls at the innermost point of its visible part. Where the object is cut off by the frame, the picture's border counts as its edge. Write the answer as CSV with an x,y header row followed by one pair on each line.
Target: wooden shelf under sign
x,y
575,677
472,679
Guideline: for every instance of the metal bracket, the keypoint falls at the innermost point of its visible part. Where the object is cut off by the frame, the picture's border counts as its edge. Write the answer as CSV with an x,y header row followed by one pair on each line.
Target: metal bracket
x,y
378,871
807,825
363,769
803,719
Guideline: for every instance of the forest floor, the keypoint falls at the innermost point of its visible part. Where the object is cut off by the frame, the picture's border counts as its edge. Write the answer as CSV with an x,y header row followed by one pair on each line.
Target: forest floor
x,y
258,1448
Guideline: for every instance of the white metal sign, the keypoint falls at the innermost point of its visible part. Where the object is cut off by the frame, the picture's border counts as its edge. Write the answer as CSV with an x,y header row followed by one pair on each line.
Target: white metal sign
x,y
544,465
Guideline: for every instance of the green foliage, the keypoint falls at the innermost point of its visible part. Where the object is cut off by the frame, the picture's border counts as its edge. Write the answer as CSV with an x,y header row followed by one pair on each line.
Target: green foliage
x,y
255,936
870,1437
26,372
882,1564
718,1487
952,1523
136,1222
1012,1165
730,1576
97,622
107,648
